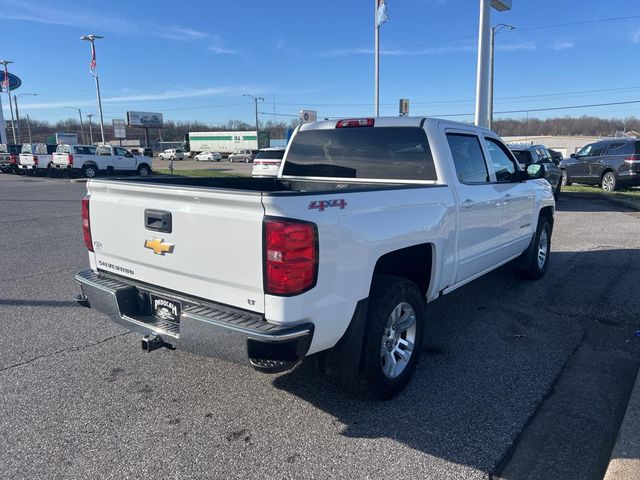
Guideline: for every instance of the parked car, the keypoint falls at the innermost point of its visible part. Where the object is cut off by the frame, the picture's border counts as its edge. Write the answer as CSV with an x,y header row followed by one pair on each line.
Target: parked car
x,y
9,154
528,154
36,158
147,152
611,163
88,161
368,221
171,154
243,156
208,157
267,162
555,155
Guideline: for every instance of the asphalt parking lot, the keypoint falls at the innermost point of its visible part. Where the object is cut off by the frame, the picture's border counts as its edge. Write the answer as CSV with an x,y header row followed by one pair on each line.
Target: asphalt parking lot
x,y
518,379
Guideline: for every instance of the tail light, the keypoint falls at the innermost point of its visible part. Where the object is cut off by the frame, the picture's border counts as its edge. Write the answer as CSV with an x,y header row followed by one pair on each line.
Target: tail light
x,y
86,224
13,158
35,160
635,158
290,257
355,122
69,159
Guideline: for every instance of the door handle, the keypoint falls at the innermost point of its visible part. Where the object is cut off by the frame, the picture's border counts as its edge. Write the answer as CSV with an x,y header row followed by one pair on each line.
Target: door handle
x,y
467,203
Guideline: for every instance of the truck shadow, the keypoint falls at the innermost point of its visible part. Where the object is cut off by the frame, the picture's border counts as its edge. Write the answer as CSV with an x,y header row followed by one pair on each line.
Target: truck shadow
x,y
595,201
493,351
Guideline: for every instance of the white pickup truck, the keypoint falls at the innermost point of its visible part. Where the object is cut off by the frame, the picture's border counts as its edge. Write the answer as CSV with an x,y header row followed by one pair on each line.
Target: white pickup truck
x,y
88,161
35,158
368,221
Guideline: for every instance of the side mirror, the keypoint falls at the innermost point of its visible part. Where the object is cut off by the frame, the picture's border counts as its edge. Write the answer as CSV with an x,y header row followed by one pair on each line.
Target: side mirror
x,y
535,170
573,155
128,154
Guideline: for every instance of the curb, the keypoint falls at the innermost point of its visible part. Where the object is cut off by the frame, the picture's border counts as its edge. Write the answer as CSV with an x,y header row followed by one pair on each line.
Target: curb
x,y
624,463
78,180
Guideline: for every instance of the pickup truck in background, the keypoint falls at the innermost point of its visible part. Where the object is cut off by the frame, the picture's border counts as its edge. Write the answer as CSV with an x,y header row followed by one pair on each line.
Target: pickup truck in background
x,y
36,158
368,220
9,154
88,161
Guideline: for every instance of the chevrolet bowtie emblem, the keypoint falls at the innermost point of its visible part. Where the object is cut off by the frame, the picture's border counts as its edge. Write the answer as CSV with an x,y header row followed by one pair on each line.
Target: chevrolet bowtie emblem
x,y
158,246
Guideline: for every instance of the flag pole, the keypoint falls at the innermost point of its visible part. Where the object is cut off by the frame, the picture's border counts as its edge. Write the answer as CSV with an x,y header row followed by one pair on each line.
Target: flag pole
x,y
376,56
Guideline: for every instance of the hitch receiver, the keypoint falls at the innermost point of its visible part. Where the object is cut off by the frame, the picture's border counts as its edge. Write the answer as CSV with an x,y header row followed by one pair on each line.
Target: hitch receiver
x,y
153,342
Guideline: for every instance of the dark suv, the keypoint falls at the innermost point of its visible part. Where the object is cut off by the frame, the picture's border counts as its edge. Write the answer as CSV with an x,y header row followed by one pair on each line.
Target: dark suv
x,y
611,163
527,154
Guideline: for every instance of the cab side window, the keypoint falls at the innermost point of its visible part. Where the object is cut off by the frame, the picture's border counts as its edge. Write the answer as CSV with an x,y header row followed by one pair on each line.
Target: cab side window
x,y
468,158
503,163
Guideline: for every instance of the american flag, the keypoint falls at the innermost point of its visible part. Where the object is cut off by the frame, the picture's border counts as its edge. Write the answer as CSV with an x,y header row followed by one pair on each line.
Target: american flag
x,y
383,16
5,81
92,65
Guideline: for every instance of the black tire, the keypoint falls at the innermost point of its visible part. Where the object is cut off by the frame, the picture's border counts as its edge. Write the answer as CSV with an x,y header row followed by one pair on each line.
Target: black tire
x,y
89,171
52,172
387,294
565,179
144,171
556,194
533,266
609,182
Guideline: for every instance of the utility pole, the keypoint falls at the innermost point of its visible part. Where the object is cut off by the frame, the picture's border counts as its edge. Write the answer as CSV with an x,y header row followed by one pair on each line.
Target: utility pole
x,y
8,89
92,67
84,140
494,30
255,101
89,115
29,128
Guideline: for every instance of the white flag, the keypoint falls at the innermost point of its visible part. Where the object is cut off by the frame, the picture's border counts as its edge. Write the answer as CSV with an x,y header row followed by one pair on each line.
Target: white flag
x,y
383,17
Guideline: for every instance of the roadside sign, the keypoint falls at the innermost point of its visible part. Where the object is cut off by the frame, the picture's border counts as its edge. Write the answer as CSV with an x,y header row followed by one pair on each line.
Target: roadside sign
x,y
14,81
308,116
119,128
404,106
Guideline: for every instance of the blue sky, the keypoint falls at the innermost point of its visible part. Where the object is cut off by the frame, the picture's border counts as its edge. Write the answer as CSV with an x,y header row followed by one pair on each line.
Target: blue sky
x,y
193,60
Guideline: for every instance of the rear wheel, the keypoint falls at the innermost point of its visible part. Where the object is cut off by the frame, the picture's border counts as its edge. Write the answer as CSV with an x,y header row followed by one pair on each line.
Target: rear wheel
x,y
89,171
609,182
393,337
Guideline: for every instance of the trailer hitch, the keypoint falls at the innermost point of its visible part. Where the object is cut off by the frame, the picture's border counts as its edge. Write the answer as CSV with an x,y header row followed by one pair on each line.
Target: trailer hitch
x,y
153,342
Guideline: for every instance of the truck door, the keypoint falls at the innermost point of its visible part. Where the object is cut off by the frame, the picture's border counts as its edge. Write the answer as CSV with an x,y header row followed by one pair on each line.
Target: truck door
x,y
518,200
123,160
480,218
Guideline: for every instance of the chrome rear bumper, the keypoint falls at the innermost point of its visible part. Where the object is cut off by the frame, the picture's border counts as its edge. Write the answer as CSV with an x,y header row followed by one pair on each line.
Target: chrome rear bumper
x,y
204,328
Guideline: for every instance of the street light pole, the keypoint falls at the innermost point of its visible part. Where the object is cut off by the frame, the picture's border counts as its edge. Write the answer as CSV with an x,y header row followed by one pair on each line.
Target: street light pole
x,y
494,30
255,101
84,140
89,115
15,100
8,88
92,38
484,40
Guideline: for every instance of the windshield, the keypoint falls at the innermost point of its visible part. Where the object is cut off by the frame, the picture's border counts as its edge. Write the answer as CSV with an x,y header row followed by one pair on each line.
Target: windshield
x,y
394,153
270,154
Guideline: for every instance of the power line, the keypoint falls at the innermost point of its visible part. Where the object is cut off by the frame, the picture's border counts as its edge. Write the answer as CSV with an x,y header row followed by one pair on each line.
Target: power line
x,y
529,110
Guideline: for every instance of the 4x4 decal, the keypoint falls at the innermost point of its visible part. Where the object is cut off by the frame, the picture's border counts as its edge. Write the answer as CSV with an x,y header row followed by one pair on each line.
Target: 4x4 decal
x,y
322,205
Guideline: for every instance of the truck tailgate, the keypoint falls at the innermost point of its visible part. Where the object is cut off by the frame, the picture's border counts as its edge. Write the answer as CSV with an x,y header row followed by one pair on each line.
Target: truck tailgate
x,y
213,249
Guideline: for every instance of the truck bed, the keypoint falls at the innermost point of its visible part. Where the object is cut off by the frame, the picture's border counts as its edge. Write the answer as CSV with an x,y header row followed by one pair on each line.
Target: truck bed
x,y
267,186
